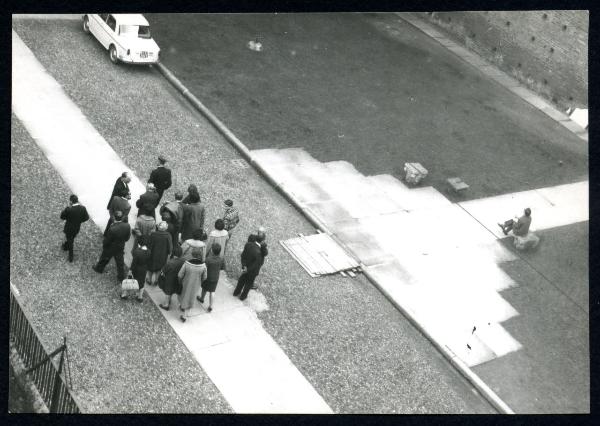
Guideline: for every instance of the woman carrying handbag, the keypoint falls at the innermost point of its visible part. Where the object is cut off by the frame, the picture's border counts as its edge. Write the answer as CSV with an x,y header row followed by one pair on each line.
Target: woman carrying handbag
x,y
139,266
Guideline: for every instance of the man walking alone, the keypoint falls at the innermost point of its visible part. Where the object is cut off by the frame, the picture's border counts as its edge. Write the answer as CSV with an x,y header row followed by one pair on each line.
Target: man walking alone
x,y
73,215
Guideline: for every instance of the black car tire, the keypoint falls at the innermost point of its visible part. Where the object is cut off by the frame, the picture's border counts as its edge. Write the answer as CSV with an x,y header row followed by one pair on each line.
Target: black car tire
x,y
112,54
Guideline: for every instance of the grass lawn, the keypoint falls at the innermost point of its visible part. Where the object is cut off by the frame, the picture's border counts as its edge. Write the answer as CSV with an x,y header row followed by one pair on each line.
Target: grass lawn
x,y
369,89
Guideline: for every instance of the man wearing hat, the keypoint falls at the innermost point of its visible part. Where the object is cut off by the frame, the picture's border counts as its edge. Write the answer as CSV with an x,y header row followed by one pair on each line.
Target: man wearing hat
x,y
161,177
113,245
148,201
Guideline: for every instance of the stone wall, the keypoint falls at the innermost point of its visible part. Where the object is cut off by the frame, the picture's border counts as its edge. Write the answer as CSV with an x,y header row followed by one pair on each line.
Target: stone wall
x,y
547,50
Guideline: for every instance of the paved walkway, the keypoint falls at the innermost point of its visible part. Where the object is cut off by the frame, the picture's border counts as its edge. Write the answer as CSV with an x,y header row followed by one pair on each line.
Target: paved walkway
x,y
439,261
252,372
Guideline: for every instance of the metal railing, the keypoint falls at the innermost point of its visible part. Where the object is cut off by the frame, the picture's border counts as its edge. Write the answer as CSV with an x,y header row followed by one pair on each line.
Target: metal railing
x,y
38,363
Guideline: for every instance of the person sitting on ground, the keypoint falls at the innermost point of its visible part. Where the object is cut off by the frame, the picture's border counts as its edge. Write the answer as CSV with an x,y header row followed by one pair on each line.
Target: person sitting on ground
x,y
191,275
140,256
520,227
214,264
198,240
171,284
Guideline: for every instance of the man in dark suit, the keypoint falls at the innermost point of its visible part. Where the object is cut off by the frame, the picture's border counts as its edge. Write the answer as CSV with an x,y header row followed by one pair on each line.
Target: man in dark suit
x,y
121,183
119,203
73,215
113,245
261,237
161,177
251,262
148,201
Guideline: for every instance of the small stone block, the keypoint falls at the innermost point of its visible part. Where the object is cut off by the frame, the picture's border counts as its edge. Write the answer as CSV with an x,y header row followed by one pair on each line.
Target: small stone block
x,y
457,184
415,172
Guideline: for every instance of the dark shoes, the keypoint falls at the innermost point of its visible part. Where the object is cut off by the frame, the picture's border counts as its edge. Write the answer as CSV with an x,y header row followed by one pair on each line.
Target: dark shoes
x,y
199,299
96,269
139,299
503,229
123,296
182,318
242,298
166,308
70,258
64,247
209,309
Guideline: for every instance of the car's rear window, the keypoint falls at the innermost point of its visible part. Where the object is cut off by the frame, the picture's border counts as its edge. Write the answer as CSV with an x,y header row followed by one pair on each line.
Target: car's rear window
x,y
141,31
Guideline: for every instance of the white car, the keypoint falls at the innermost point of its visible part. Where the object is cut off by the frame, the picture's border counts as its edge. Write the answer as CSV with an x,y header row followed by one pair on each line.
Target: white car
x,y
126,36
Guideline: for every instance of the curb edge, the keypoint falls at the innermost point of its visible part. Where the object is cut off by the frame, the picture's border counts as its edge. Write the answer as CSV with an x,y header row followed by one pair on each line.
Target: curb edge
x,y
467,373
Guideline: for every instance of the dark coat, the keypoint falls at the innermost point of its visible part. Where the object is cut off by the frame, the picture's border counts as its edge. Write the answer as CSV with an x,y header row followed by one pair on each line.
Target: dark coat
x,y
213,269
147,203
161,178
171,269
161,247
176,210
119,184
116,237
119,203
139,264
252,258
521,228
264,251
74,217
193,218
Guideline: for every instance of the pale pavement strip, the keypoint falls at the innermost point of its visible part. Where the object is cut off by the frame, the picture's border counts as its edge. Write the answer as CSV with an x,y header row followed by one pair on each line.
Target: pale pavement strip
x,y
247,366
440,261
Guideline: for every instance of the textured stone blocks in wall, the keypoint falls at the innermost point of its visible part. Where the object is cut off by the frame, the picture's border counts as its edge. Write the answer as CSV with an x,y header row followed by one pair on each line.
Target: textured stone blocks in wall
x,y
545,49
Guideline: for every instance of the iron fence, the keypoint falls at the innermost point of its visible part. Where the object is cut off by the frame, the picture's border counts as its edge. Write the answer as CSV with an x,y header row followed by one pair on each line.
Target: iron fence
x,y
38,363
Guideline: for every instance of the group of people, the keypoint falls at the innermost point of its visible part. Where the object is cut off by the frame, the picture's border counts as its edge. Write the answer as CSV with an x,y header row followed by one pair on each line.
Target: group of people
x,y
173,252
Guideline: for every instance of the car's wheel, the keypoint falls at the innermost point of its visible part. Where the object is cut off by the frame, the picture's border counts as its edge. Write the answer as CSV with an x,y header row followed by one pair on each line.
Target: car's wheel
x,y
112,53
86,25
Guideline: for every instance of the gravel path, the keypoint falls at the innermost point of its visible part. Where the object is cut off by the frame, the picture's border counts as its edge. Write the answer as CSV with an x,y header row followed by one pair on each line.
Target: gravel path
x,y
357,351
124,356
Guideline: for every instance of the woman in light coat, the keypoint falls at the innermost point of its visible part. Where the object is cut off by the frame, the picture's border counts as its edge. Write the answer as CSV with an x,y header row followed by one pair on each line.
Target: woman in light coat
x,y
191,275
198,240
220,236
